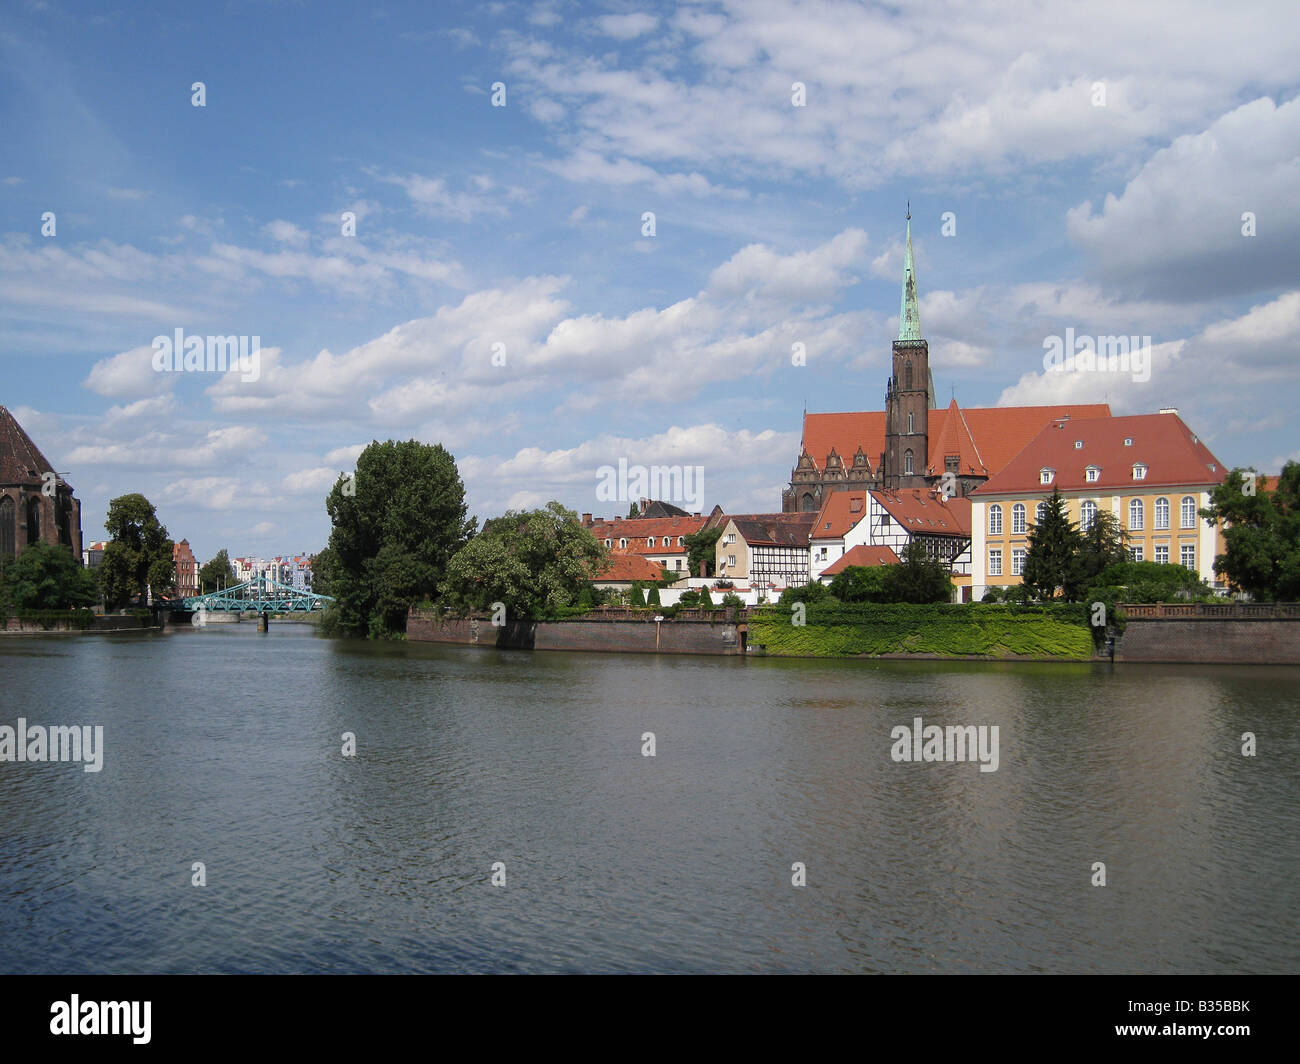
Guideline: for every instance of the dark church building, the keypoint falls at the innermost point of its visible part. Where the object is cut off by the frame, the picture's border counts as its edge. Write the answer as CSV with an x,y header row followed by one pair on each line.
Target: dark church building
x,y
36,504
911,443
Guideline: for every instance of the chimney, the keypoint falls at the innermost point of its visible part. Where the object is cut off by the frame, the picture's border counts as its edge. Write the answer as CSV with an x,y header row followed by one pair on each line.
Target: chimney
x,y
586,520
643,507
1169,410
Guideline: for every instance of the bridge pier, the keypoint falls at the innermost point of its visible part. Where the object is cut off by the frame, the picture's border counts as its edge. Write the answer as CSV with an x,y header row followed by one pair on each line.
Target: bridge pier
x,y
263,622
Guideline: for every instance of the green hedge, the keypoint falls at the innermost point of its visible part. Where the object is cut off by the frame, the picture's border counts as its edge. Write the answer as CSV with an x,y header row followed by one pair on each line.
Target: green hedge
x,y
47,619
833,629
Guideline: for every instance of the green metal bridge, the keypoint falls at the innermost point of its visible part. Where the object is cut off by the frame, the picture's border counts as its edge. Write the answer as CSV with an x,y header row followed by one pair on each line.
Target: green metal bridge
x,y
255,596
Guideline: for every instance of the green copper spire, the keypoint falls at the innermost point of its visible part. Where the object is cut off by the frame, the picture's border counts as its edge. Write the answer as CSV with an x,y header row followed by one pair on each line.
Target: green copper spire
x,y
909,314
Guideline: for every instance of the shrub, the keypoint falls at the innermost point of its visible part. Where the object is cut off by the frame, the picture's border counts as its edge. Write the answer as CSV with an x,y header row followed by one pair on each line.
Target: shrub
x,y
810,592
652,599
637,598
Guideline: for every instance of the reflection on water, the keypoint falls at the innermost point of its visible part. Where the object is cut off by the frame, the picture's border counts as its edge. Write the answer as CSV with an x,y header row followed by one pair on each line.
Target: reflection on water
x,y
224,746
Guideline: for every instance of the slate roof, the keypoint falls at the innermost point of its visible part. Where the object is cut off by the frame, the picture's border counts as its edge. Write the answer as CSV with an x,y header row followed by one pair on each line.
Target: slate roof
x,y
21,461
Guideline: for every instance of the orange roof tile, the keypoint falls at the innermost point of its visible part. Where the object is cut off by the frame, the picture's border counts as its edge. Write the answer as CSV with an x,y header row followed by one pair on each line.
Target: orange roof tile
x,y
862,555
1173,454
919,510
639,529
630,567
838,515
990,435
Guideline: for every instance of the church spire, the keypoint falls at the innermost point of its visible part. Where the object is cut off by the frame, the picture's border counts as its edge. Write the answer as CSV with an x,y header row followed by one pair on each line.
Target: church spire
x,y
909,315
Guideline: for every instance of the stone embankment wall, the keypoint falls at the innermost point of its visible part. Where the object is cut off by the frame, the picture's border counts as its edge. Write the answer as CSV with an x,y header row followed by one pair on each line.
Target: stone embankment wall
x,y
678,636
1212,633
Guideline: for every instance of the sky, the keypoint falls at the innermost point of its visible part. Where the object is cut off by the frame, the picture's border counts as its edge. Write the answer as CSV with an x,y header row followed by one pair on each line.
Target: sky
x,y
587,233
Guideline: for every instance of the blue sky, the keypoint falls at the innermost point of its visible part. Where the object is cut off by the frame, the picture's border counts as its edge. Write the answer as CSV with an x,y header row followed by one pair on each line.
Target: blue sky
x,y
479,225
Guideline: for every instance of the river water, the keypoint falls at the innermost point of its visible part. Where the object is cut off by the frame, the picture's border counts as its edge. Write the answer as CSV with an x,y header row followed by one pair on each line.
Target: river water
x,y
224,746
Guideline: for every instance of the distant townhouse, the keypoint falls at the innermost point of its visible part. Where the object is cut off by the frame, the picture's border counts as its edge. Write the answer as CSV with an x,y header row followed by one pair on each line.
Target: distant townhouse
x,y
1150,470
187,569
94,554
659,540
766,549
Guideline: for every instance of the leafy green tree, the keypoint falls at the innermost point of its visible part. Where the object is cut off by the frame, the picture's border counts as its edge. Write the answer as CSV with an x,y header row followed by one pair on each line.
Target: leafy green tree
x,y
1051,559
918,578
46,576
860,583
138,555
1103,544
1261,532
1154,582
638,596
689,599
701,549
397,523
809,593
532,561
216,573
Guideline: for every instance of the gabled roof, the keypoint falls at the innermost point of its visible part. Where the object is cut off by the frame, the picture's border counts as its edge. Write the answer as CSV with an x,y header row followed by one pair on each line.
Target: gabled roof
x,y
637,530
838,516
996,433
21,461
1174,456
954,437
862,555
922,511
774,530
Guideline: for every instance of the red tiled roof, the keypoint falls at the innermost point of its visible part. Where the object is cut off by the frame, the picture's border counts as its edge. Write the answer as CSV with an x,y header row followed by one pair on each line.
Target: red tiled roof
x,y
918,510
954,438
1172,453
630,567
862,555
838,515
990,436
637,530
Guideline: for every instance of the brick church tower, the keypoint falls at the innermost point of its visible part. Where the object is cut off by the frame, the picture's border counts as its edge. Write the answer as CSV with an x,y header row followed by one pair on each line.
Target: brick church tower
x,y
909,393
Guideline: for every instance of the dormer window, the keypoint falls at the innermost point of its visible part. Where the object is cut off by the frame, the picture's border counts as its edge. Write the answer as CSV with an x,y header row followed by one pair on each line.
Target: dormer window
x,y
609,542
1078,445
1139,471
1092,474
1128,441
650,541
1045,475
622,544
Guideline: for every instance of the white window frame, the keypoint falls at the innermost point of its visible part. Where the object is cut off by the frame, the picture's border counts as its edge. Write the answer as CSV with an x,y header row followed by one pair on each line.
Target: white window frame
x,y
1137,510
1092,474
995,561
995,520
1183,522
1160,522
1017,561
1183,549
1018,517
1086,518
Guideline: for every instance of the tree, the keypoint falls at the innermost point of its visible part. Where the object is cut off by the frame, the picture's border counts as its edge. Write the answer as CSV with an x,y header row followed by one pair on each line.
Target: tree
x,y
1261,532
918,578
216,573
1103,544
633,511
860,583
532,561
705,601
1054,542
652,599
138,555
46,576
701,548
808,593
397,523
638,596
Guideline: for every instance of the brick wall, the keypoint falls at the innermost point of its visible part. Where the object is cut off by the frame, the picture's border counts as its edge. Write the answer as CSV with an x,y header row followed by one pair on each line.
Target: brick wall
x,y
1210,640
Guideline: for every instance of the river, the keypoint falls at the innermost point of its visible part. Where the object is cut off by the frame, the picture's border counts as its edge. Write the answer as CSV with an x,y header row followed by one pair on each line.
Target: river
x,y
224,746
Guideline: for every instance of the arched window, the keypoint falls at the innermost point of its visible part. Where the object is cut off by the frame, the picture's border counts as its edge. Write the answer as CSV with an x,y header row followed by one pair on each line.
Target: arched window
x,y
1188,512
1087,514
807,504
909,422
650,541
34,519
622,544
8,533
1018,519
907,375
1135,514
907,461
995,520
1162,513
1040,512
